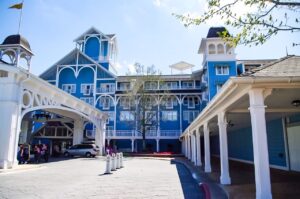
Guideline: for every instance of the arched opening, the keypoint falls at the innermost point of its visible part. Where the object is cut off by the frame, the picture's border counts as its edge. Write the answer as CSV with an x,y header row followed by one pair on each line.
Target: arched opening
x,y
220,49
211,49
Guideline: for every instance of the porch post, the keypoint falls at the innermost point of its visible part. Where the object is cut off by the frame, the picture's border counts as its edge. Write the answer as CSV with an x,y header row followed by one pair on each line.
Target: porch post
x,y
9,122
78,132
132,145
224,178
157,145
198,143
207,167
260,144
189,146
194,149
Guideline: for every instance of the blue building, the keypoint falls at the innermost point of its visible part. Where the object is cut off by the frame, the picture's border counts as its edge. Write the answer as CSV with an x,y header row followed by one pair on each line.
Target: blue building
x,y
87,72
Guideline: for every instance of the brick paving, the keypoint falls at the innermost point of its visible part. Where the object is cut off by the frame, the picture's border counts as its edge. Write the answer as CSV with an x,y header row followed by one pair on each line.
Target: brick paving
x,y
83,178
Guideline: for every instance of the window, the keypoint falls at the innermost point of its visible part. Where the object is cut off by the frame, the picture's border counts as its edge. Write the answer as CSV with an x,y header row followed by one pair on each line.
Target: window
x,y
151,85
3,73
169,102
222,69
126,116
190,116
106,88
169,115
125,102
86,89
89,100
111,116
69,88
169,85
105,103
149,102
150,130
220,49
123,86
211,49
191,101
219,86
189,84
150,117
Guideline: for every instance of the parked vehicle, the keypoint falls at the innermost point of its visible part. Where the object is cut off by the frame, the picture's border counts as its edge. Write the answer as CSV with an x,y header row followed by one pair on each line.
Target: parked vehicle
x,y
87,150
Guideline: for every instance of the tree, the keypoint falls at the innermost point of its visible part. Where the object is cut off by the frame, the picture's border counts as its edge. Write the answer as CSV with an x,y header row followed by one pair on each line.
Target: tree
x,y
143,93
262,20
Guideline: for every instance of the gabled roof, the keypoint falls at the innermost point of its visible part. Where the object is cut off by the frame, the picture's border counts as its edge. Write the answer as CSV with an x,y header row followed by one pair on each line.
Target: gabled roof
x,y
70,59
93,30
286,66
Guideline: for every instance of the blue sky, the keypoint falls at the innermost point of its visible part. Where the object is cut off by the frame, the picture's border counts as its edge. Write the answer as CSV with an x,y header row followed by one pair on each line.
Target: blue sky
x,y
146,31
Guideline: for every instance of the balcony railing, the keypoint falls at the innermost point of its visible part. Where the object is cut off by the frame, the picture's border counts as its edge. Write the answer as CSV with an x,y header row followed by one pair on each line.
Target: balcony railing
x,y
135,134
106,90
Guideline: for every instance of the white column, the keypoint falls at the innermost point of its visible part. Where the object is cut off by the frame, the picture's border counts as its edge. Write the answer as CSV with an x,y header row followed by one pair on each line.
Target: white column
x,y
194,149
198,143
224,178
260,144
99,139
9,122
185,146
207,167
132,145
24,131
157,145
189,147
78,131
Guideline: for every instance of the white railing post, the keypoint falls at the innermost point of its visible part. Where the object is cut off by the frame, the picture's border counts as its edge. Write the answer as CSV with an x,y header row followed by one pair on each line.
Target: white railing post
x,y
121,162
113,162
118,161
108,165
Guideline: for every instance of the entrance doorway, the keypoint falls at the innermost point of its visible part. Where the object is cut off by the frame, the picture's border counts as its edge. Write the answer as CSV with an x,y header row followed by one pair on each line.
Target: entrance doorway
x,y
293,134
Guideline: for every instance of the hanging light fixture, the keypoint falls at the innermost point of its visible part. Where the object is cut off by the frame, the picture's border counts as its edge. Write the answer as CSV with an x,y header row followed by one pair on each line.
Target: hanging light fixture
x,y
296,103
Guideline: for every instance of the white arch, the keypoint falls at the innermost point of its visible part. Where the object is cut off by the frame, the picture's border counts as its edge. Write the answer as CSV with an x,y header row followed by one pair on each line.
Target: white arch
x,y
200,101
77,73
220,49
105,95
66,67
211,49
58,108
168,95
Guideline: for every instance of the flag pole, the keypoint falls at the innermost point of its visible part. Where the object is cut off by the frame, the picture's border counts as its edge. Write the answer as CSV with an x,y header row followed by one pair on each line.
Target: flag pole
x,y
20,19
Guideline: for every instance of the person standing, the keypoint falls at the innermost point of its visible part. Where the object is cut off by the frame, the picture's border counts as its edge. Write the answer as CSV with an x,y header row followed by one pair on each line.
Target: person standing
x,y
45,152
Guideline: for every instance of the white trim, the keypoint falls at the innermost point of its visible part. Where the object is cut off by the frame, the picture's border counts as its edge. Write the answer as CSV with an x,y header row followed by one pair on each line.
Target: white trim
x,y
251,162
286,148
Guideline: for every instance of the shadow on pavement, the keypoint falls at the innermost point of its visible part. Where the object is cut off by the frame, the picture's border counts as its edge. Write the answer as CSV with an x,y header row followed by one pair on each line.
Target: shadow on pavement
x,y
189,186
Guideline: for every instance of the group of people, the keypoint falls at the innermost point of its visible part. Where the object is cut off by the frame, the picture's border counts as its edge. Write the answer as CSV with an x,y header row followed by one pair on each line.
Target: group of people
x,y
39,151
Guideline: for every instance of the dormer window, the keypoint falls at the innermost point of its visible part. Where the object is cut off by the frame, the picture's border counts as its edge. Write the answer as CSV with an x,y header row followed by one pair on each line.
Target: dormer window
x,y
86,89
69,88
211,49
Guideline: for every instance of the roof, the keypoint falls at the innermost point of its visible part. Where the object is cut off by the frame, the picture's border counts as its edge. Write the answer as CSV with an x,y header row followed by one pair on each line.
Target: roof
x,y
93,30
215,32
17,39
286,66
181,66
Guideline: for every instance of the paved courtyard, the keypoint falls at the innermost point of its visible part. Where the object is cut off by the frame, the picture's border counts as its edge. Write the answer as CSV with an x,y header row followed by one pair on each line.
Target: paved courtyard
x,y
83,178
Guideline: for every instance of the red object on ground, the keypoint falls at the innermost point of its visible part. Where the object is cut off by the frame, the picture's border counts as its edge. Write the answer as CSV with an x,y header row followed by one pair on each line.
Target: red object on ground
x,y
205,189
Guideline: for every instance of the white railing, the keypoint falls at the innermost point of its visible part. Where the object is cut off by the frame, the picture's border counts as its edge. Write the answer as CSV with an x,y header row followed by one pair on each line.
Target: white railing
x,y
106,90
169,133
135,134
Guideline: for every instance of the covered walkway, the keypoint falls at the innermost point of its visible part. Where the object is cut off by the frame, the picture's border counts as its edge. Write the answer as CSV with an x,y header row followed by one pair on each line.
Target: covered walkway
x,y
253,119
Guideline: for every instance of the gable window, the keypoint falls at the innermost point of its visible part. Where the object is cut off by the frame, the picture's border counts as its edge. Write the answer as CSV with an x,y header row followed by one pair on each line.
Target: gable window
x,y
190,116
169,115
86,89
69,88
126,116
222,69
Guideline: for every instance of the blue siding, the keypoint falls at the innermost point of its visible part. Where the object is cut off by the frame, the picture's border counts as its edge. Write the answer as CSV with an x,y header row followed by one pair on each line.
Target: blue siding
x,y
92,48
219,79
